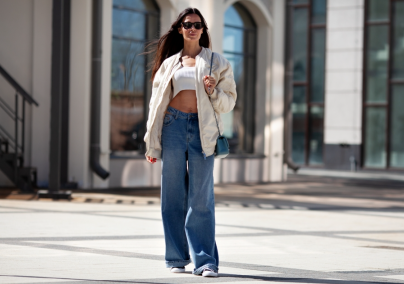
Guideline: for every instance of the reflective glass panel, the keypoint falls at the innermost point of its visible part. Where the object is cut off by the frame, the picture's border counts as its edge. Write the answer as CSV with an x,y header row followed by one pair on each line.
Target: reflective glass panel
x,y
317,65
129,81
300,1
141,5
237,15
232,17
316,135
398,40
299,109
233,121
318,11
397,127
378,10
300,35
375,137
128,24
233,40
135,4
377,63
127,100
128,70
239,43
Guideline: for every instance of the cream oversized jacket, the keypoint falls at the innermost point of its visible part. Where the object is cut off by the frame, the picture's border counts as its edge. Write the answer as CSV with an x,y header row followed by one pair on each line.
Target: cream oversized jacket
x,y
223,99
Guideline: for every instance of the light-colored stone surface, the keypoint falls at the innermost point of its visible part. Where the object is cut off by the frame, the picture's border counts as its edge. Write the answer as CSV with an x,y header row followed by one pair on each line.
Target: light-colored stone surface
x,y
344,39
344,60
344,82
344,56
342,135
347,233
399,277
344,3
353,18
344,113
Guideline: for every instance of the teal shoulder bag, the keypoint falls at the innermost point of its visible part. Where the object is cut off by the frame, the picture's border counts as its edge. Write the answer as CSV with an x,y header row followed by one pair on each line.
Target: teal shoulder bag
x,y
222,145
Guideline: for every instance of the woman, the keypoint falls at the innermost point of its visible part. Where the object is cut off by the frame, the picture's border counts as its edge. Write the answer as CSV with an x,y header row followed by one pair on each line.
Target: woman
x,y
182,131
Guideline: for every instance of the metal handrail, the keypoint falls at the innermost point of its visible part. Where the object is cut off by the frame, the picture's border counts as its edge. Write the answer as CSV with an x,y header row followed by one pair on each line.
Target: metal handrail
x,y
11,139
17,87
8,110
15,115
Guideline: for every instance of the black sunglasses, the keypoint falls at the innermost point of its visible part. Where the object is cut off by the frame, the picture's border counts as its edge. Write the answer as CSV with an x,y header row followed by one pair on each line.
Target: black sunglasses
x,y
188,25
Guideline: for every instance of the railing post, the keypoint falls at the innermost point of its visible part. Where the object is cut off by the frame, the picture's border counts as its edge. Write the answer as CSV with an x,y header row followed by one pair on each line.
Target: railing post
x,y
23,128
16,136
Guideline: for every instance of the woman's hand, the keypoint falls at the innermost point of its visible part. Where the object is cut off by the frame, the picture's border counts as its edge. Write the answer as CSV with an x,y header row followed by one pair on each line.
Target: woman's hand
x,y
151,160
209,83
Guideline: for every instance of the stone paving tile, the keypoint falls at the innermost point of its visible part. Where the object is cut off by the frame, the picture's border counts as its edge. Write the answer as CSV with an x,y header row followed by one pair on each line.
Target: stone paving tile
x,y
262,235
399,277
390,237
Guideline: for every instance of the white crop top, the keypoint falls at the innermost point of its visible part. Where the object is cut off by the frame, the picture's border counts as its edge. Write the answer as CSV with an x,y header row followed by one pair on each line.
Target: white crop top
x,y
184,79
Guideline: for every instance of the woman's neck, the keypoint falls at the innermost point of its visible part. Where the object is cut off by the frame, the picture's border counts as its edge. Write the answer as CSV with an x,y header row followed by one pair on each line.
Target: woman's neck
x,y
191,49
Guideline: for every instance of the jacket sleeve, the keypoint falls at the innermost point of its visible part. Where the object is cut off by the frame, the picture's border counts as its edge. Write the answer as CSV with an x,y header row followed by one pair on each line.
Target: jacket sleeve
x,y
224,95
156,82
150,143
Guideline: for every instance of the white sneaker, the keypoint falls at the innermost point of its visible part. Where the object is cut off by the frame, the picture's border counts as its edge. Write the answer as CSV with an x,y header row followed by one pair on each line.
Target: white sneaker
x,y
177,269
209,273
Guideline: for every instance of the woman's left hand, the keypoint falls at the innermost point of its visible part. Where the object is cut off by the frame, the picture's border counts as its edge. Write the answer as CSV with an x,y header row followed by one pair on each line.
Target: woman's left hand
x,y
209,83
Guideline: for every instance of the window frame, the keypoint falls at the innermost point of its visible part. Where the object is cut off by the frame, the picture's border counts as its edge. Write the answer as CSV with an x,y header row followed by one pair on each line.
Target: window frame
x,y
389,86
148,58
249,119
290,83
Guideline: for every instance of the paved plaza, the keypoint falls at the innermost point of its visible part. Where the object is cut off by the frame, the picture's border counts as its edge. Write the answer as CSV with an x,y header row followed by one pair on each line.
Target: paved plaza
x,y
307,230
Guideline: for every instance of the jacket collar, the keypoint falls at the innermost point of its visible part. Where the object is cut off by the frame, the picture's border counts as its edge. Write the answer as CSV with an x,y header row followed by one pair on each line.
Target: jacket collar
x,y
203,52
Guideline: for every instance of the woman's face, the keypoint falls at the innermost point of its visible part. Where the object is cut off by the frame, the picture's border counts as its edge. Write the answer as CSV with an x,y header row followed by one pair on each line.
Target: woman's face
x,y
191,34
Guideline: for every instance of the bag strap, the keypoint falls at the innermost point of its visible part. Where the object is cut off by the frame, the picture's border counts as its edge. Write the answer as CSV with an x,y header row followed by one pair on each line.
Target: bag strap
x,y
210,99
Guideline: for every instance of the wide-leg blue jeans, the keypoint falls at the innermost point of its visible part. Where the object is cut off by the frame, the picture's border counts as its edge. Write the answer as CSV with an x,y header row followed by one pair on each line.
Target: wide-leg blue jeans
x,y
187,198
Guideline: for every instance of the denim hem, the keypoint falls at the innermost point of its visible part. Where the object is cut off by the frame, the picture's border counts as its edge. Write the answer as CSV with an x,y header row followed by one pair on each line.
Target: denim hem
x,y
199,270
177,263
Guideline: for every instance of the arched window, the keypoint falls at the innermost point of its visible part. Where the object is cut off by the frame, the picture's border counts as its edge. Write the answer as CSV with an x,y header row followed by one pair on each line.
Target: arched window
x,y
239,47
134,23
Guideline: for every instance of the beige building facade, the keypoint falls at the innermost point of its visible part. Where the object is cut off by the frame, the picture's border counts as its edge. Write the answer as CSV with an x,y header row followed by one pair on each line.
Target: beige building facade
x,y
26,53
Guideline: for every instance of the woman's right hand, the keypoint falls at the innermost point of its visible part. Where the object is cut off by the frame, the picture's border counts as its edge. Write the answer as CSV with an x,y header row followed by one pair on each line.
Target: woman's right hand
x,y
151,160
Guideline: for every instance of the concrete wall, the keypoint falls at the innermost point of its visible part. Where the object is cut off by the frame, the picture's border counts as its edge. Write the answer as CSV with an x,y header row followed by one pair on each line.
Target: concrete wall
x,y
343,103
80,90
25,52
80,93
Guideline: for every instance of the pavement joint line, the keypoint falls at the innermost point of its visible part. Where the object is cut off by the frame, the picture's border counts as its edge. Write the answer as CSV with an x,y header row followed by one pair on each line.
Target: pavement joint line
x,y
227,278
367,214
226,225
269,206
330,234
99,238
270,233
237,278
223,278
65,278
245,266
274,231
384,247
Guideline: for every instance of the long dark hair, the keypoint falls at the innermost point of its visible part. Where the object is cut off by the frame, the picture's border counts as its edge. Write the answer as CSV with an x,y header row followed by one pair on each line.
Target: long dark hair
x,y
172,42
